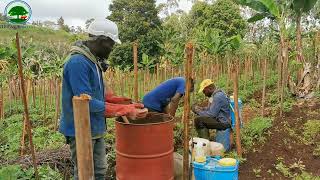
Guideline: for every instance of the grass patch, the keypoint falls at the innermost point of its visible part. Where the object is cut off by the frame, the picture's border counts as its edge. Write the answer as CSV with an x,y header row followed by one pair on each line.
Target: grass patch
x,y
17,172
254,131
311,131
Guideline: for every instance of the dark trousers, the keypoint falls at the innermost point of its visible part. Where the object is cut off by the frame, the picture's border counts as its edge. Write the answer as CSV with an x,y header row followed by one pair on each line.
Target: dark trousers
x,y
210,123
99,157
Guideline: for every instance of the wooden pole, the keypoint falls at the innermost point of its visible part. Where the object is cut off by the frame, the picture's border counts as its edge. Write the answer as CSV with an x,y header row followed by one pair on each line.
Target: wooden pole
x,y
33,94
45,99
24,131
1,102
83,137
186,113
135,65
57,104
10,95
236,109
264,87
24,98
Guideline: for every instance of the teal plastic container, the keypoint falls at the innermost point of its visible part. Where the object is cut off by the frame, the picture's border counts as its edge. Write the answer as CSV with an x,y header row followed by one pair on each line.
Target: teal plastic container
x,y
211,170
232,114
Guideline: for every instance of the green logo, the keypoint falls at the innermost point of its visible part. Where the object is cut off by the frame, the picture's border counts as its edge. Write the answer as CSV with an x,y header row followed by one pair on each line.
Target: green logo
x,y
18,12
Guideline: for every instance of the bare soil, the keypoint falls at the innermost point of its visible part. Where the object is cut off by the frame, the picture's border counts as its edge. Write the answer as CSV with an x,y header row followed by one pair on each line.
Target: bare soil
x,y
282,144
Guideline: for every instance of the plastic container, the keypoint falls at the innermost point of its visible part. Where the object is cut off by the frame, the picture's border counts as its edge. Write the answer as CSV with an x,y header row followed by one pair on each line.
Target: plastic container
x,y
232,113
223,137
200,154
216,149
211,170
199,144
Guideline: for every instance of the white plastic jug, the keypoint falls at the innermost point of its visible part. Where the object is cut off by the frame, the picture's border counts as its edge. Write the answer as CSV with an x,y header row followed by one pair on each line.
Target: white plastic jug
x,y
216,149
200,148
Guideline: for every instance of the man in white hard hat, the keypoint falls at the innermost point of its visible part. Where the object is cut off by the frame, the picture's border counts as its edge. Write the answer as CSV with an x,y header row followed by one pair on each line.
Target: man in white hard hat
x,y
216,115
82,74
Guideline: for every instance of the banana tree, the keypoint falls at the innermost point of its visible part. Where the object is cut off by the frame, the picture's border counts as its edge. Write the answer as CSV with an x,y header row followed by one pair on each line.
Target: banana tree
x,y
299,7
147,62
277,11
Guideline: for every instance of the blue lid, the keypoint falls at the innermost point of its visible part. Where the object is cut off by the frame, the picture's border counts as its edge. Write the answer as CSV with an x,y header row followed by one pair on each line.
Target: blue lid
x,y
212,164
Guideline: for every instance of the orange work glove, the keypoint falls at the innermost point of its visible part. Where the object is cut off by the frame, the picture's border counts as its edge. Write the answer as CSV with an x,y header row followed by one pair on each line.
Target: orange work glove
x,y
132,111
112,98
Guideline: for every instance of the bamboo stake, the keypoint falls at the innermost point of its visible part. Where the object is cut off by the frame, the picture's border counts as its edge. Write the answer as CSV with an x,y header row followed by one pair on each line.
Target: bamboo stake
x,y
45,100
40,93
135,65
24,98
83,137
264,86
1,102
50,94
57,113
24,131
186,113
10,96
236,109
33,94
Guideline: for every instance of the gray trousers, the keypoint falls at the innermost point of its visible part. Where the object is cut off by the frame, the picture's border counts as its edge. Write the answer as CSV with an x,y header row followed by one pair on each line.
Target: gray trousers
x,y
99,157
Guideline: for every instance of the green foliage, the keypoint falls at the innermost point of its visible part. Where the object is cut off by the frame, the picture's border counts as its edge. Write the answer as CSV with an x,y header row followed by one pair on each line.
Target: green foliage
x,y
178,137
265,9
303,6
222,15
16,172
12,131
288,104
137,20
254,131
311,130
282,168
293,171
316,151
306,176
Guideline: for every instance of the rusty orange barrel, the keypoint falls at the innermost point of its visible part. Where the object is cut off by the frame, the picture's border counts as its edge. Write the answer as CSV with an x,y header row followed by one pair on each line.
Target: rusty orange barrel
x,y
144,148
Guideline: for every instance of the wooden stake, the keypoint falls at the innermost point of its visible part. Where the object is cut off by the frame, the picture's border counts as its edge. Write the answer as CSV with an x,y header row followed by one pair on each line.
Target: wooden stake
x,y
26,111
186,112
1,102
236,109
24,132
57,113
135,65
264,86
45,99
83,137
33,94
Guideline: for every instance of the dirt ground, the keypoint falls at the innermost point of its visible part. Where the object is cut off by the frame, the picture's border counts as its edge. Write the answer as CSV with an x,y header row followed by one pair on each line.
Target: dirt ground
x,y
282,144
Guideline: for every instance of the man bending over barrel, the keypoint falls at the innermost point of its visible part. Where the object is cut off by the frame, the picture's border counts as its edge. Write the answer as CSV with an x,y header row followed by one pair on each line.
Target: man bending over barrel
x,y
165,97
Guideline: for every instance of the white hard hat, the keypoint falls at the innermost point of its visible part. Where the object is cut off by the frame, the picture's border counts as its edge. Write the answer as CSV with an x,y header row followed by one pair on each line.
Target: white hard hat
x,y
104,27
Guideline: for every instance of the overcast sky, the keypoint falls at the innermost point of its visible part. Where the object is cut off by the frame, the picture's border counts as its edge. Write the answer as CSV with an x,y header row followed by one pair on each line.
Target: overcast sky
x,y
74,12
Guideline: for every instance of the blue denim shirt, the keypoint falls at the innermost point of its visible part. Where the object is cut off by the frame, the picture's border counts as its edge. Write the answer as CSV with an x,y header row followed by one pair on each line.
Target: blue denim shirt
x,y
82,76
219,108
